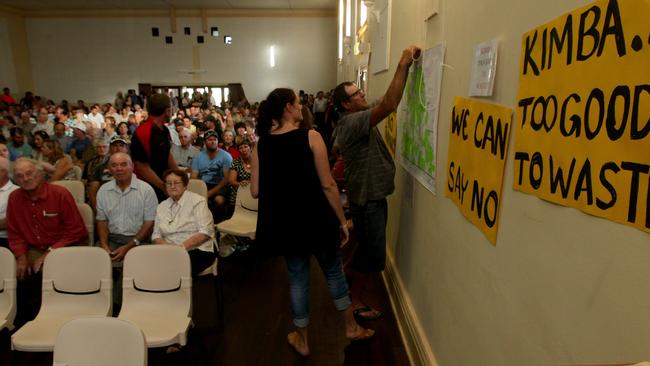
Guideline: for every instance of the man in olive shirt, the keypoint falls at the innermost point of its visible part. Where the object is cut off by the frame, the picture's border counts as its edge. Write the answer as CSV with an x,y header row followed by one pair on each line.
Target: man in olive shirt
x,y
369,172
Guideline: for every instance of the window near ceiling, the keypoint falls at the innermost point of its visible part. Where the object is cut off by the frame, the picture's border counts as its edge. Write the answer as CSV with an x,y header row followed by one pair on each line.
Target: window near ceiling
x,y
363,14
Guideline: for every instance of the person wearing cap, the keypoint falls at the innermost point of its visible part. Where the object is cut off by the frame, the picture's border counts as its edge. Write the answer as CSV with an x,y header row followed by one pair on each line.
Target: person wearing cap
x,y
212,165
81,141
151,145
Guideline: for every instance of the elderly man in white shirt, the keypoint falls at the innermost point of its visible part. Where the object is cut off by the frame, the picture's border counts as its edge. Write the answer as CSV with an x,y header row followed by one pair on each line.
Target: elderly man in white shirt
x,y
6,187
126,209
185,152
184,219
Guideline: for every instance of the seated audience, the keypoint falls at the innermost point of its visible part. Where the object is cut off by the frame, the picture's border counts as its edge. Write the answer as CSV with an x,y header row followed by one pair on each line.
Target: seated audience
x,y
39,139
60,166
184,219
211,165
110,128
240,172
185,152
60,135
101,174
229,143
40,217
123,132
4,151
126,209
6,187
81,141
101,156
18,148
43,123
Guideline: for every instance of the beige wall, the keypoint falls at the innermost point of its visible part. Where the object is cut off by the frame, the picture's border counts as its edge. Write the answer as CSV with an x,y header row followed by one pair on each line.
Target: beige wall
x,y
15,64
561,287
92,58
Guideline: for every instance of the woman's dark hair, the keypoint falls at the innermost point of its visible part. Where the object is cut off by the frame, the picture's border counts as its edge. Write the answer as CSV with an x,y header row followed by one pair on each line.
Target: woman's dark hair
x,y
44,135
243,140
56,152
272,108
340,95
128,131
178,173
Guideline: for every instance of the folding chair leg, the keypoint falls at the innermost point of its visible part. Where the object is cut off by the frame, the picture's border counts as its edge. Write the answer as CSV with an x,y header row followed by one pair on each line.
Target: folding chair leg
x,y
218,290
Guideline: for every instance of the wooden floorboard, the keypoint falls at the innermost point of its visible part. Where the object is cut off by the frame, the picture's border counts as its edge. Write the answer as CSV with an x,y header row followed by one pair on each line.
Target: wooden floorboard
x,y
258,318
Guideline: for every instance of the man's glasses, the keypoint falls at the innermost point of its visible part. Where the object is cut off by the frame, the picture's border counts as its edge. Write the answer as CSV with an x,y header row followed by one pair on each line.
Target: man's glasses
x,y
359,91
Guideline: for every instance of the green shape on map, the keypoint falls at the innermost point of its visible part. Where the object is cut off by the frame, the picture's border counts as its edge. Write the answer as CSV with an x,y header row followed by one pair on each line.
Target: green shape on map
x,y
416,139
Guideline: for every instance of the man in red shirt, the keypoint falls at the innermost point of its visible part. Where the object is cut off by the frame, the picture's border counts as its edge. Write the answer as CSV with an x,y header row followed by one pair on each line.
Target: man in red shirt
x,y
40,217
7,98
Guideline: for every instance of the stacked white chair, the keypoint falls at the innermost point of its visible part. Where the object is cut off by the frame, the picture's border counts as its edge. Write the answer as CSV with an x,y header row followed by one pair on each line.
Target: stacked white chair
x,y
76,283
7,289
88,217
198,186
100,341
157,293
75,187
243,222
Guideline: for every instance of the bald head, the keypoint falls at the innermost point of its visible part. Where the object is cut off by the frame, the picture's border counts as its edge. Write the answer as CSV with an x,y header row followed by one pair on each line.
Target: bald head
x,y
28,173
120,157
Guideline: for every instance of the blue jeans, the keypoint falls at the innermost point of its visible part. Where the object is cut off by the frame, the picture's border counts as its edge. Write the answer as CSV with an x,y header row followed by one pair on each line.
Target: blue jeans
x,y
370,226
298,267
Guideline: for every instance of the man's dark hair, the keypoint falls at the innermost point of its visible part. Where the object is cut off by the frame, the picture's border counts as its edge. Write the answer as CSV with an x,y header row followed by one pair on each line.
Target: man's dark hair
x,y
239,125
16,131
340,95
158,104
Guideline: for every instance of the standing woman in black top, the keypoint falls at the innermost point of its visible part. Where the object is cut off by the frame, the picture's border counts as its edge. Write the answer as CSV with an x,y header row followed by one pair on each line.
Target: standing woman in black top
x,y
291,176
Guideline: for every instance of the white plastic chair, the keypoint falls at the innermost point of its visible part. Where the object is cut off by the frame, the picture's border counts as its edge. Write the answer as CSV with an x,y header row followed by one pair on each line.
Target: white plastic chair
x,y
75,187
78,172
198,186
7,289
100,341
157,293
246,198
243,222
89,220
76,283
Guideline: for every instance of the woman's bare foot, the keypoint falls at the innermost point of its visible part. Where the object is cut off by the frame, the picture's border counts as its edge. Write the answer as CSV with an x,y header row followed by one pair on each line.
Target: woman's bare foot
x,y
298,343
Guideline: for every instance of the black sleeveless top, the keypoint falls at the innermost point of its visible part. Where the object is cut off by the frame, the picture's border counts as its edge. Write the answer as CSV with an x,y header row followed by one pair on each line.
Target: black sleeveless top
x,y
294,216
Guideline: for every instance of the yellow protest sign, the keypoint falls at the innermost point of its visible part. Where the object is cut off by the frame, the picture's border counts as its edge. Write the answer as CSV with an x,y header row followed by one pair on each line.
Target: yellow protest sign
x,y
583,107
478,146
390,132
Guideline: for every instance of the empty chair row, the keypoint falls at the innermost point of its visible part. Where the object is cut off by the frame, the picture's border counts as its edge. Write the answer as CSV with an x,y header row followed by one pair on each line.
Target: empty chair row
x,y
77,282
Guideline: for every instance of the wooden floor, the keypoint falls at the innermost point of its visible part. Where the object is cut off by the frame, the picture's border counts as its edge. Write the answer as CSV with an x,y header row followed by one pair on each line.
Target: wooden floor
x,y
257,318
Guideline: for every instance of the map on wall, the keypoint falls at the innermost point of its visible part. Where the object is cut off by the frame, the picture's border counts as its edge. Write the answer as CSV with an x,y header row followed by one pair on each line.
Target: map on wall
x,y
418,117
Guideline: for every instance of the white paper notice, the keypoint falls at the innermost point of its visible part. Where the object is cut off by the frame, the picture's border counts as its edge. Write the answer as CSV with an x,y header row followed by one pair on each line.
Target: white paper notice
x,y
484,68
